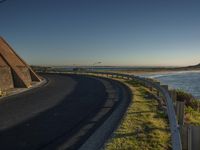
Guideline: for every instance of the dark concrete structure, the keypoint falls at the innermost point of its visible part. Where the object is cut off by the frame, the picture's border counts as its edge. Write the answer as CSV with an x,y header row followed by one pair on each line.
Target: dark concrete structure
x,y
14,72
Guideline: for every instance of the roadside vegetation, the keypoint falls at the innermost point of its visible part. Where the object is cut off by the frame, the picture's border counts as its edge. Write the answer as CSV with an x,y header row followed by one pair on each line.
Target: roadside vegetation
x,y
2,93
192,109
144,126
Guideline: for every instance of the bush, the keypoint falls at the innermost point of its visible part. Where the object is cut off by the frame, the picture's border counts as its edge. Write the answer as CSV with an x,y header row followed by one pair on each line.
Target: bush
x,y
195,104
188,98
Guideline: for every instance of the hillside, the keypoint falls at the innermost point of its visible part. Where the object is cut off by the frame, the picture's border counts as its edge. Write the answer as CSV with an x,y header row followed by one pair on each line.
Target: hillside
x,y
196,67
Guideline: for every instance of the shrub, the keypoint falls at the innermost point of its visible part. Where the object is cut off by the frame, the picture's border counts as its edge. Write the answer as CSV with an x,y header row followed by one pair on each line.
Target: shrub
x,y
187,97
195,104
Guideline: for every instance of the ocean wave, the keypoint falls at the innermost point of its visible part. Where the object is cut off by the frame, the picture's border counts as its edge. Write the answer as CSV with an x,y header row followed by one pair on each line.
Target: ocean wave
x,y
159,75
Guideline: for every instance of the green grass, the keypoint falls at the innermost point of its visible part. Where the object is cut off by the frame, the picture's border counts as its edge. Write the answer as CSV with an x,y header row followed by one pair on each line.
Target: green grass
x,y
144,127
192,116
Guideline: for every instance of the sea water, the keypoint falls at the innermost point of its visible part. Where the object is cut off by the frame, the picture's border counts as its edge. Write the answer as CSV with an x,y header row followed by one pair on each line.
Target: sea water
x,y
188,81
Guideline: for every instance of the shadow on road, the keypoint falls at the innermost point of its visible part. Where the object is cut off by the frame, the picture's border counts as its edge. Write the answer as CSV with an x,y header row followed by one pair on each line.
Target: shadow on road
x,y
59,122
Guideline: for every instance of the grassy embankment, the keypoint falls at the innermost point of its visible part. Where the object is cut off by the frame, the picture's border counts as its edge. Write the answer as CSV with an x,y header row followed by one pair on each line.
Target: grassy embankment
x,y
144,126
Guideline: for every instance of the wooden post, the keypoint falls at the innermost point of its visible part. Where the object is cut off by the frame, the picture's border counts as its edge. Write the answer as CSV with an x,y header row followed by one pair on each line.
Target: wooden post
x,y
189,138
184,137
173,95
180,110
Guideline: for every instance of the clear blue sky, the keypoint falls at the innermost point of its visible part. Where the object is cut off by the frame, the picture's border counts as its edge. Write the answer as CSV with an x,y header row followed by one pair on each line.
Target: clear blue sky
x,y
115,32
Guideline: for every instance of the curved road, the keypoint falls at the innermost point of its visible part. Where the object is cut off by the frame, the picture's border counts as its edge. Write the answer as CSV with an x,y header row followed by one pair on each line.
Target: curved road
x,y
45,117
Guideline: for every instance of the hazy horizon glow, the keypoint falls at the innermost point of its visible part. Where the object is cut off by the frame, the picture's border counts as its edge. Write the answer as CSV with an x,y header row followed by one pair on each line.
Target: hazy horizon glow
x,y
114,32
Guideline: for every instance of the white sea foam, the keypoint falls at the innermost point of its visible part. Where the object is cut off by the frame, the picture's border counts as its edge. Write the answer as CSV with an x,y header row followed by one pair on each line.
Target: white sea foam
x,y
158,75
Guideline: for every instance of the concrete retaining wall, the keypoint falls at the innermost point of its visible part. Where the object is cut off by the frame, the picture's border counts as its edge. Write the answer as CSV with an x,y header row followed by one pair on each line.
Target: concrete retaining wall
x,y
21,74
6,80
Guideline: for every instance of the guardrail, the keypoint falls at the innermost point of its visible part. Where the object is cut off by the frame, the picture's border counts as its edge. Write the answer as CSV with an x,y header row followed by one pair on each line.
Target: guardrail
x,y
174,127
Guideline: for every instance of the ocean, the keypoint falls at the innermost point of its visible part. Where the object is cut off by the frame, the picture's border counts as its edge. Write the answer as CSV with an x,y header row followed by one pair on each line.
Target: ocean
x,y
188,81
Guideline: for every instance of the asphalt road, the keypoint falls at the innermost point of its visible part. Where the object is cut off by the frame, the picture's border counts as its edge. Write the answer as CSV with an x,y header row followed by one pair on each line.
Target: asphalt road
x,y
52,113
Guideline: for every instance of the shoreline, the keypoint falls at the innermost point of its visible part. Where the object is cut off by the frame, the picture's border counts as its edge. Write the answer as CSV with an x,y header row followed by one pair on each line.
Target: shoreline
x,y
146,72
175,84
